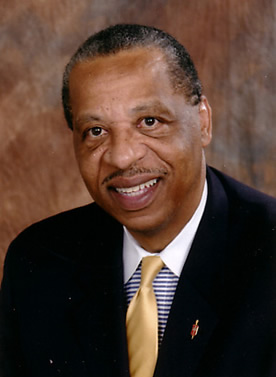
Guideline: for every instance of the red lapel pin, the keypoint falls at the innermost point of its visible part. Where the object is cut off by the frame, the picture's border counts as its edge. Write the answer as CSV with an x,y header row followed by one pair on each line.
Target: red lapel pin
x,y
195,328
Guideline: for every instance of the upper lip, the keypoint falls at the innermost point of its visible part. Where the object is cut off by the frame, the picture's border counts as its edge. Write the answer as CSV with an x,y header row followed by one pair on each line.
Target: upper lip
x,y
127,182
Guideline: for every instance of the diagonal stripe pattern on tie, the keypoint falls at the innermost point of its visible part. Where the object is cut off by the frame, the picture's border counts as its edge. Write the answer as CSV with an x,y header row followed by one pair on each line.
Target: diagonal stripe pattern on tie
x,y
142,322
164,286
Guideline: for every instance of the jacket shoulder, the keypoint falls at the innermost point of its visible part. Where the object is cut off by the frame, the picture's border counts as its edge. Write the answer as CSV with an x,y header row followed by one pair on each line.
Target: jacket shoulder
x,y
244,198
251,218
63,234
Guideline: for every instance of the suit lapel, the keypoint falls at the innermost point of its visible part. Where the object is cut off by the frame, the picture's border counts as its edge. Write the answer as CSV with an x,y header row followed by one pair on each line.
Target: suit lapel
x,y
98,315
199,294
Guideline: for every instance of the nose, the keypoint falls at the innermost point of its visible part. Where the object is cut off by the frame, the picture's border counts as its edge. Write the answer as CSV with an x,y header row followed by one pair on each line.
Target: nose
x,y
124,150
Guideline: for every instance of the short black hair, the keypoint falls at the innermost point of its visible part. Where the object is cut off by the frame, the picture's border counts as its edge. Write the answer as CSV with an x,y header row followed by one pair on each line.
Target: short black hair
x,y
120,37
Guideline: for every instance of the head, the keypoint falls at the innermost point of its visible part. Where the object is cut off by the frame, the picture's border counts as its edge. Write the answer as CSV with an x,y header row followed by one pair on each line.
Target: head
x,y
140,123
117,38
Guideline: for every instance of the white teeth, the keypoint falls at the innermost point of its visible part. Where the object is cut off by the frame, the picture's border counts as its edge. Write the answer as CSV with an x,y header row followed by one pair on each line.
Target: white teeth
x,y
136,190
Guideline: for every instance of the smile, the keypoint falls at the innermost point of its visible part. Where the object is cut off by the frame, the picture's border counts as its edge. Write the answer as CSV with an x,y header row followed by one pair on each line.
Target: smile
x,y
136,190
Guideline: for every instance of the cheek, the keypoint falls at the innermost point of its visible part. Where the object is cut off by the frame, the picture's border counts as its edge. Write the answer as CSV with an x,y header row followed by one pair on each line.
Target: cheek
x,y
179,150
189,144
185,159
88,162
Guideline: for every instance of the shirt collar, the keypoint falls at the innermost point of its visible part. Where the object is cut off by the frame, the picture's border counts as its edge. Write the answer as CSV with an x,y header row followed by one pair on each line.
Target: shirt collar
x,y
174,255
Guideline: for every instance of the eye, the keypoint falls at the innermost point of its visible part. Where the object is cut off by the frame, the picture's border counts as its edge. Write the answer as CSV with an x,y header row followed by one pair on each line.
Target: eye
x,y
149,121
96,131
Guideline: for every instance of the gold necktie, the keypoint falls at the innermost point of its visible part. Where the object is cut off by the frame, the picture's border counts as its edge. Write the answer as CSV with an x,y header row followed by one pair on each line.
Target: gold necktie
x,y
142,322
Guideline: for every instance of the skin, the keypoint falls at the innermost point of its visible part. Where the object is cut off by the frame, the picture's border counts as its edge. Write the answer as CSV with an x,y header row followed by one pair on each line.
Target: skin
x,y
131,127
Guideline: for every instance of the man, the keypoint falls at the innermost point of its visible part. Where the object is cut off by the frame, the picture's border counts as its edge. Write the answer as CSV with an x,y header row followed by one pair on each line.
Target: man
x,y
140,124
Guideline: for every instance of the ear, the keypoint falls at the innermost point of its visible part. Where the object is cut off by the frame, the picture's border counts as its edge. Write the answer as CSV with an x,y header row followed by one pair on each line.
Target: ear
x,y
205,114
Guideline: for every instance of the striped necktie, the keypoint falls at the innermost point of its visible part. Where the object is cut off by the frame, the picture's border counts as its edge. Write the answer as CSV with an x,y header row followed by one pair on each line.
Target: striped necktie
x,y
142,322
164,286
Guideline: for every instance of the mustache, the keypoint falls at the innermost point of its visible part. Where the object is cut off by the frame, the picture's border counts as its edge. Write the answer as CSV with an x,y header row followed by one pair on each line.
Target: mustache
x,y
133,172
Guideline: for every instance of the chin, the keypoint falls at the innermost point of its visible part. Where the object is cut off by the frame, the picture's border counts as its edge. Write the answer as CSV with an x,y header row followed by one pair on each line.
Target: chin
x,y
144,225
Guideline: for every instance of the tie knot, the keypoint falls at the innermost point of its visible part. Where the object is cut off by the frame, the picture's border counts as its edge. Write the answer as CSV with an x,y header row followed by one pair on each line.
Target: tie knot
x,y
150,268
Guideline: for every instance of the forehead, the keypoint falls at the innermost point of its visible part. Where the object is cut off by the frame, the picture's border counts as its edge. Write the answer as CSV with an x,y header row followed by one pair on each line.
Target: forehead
x,y
149,63
109,86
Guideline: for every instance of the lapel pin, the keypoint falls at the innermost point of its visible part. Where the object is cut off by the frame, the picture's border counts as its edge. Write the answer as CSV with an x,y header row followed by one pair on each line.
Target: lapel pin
x,y
194,329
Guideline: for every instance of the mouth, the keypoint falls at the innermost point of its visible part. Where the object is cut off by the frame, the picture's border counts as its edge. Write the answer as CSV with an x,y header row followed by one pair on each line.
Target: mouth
x,y
134,196
136,190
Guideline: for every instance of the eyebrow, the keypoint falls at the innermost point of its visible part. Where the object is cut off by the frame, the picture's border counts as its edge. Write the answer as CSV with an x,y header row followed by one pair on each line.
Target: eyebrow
x,y
87,118
154,106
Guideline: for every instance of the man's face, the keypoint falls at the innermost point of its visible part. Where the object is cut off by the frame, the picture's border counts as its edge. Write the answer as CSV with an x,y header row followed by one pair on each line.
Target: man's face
x,y
138,143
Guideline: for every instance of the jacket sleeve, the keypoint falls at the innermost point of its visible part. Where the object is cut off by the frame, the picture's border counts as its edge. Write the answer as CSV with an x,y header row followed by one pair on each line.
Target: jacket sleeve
x,y
11,364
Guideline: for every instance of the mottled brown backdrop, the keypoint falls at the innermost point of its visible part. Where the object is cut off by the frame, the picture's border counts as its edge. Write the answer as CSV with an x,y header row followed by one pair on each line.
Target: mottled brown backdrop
x,y
233,43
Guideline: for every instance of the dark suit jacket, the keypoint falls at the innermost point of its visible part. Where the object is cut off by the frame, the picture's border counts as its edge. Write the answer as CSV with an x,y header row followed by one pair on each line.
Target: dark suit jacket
x,y
64,305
